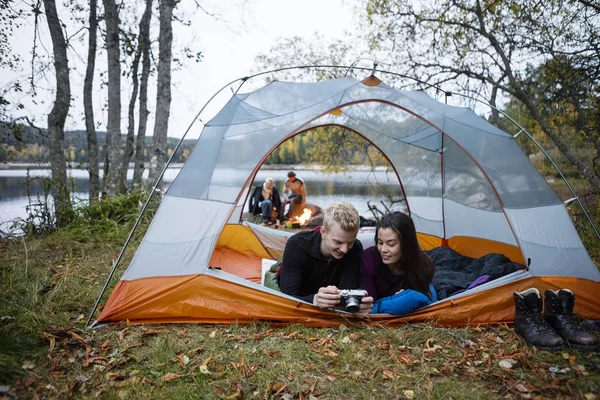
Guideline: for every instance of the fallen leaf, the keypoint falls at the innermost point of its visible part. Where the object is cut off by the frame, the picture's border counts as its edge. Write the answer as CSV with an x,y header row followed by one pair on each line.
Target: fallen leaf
x,y
521,388
204,370
28,365
409,394
122,333
278,387
388,375
270,353
508,363
213,334
196,350
346,339
169,376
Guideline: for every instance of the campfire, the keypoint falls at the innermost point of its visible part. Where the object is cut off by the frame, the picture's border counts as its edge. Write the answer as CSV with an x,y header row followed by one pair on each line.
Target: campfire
x,y
302,219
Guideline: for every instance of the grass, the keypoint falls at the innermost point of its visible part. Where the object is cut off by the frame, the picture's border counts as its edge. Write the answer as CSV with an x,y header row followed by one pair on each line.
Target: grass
x,y
48,285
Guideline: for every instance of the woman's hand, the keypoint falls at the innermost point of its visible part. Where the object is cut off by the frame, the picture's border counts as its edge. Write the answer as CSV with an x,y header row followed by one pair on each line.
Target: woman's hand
x,y
327,297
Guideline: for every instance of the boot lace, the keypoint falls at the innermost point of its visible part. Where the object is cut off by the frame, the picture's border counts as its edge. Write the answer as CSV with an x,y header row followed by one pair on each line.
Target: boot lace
x,y
571,320
539,323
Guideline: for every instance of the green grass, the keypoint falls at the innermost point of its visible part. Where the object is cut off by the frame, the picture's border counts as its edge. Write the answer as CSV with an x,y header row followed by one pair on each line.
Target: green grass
x,y
48,285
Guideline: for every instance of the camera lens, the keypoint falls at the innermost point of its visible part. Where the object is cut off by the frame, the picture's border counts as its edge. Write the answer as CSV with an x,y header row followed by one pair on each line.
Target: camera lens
x,y
352,304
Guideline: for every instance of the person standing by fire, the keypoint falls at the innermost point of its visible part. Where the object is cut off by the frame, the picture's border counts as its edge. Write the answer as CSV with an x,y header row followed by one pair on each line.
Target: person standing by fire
x,y
294,191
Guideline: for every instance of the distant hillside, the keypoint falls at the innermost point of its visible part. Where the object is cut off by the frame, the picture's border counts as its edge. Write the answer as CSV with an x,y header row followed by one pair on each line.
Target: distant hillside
x,y
27,144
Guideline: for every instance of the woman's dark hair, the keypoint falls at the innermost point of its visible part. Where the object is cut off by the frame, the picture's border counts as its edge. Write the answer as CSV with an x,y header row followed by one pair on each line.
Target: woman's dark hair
x,y
417,267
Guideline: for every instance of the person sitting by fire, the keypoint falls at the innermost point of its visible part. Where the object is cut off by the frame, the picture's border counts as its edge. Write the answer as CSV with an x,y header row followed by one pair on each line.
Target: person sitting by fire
x,y
265,201
294,191
317,264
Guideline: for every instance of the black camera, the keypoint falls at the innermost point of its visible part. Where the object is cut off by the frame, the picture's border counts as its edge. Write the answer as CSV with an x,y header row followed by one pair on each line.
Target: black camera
x,y
351,298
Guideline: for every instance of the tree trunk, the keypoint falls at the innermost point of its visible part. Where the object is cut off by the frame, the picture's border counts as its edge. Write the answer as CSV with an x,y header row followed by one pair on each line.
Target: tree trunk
x,y
90,128
58,116
122,181
113,135
140,145
163,90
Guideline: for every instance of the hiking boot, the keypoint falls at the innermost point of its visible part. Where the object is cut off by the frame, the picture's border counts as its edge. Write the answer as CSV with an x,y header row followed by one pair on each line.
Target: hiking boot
x,y
558,312
590,325
530,324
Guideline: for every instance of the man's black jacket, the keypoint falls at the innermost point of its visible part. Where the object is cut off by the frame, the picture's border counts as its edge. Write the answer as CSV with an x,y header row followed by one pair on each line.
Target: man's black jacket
x,y
304,269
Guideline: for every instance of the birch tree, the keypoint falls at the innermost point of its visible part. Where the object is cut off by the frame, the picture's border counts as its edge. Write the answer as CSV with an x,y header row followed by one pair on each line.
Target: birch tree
x,y
58,116
113,135
144,29
163,89
140,145
88,86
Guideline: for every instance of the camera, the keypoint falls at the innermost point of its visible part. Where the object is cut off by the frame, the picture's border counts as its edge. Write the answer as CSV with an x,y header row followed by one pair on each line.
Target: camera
x,y
352,298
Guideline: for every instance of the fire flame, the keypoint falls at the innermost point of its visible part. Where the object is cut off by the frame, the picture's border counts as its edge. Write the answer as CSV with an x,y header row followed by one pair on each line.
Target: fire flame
x,y
304,217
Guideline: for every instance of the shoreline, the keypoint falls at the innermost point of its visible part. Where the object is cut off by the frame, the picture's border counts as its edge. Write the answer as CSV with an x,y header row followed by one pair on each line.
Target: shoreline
x,y
279,167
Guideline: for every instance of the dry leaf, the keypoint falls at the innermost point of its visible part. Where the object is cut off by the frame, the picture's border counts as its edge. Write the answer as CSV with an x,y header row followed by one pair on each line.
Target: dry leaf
x,y
270,353
388,375
169,376
521,388
204,370
409,394
122,333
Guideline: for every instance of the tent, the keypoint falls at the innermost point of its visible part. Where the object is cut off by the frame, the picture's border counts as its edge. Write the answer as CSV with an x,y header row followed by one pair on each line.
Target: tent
x,y
467,186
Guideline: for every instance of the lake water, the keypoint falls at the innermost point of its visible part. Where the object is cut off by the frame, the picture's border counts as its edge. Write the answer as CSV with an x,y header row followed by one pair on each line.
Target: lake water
x,y
18,188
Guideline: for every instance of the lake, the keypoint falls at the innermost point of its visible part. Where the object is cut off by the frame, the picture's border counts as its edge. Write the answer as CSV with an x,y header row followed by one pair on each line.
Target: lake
x,y
18,187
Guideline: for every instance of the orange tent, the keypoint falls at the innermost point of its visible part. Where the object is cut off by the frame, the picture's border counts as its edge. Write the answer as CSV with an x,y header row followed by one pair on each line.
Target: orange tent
x,y
467,186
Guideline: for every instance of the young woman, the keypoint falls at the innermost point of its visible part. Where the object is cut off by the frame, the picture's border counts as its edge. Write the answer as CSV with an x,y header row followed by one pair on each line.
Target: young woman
x,y
395,272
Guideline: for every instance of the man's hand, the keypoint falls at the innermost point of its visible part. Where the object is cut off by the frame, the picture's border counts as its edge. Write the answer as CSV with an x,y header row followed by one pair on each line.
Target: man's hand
x,y
328,297
365,307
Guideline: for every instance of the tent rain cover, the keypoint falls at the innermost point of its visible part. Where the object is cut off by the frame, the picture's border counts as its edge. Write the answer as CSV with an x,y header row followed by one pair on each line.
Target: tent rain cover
x,y
467,185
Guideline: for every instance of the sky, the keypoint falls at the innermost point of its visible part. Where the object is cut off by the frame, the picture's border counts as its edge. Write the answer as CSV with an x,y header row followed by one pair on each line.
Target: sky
x,y
229,45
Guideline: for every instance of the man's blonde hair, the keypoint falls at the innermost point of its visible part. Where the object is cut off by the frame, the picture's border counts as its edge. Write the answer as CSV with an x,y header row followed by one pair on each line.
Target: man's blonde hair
x,y
344,214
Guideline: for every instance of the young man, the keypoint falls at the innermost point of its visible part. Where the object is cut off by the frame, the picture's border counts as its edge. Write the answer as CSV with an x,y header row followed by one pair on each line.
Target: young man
x,y
294,192
317,264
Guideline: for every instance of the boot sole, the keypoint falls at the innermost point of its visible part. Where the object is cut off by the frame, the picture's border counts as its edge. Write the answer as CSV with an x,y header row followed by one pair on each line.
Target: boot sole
x,y
555,348
583,347
549,348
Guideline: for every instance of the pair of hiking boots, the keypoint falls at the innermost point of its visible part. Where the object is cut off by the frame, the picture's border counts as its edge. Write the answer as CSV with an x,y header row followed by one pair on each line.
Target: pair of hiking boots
x,y
557,327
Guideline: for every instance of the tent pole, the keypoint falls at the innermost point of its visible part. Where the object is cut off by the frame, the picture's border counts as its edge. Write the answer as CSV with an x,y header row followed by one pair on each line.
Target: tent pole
x,y
154,189
539,146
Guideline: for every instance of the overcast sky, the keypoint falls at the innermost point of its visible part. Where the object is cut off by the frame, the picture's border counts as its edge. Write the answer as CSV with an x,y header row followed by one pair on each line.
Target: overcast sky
x,y
229,50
